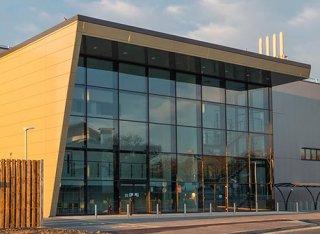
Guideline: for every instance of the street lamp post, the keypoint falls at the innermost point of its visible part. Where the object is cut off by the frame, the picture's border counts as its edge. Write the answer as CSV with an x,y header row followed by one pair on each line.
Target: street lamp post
x,y
26,129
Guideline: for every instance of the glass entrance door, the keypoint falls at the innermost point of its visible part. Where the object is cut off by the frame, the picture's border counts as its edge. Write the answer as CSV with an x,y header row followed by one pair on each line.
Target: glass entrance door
x,y
133,194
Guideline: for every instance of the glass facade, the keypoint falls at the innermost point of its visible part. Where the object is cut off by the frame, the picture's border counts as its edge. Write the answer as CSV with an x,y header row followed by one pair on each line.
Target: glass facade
x,y
152,127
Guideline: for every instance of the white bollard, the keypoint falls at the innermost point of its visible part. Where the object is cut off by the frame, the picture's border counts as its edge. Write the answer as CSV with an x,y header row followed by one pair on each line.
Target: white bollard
x,y
297,207
95,211
210,210
128,211
157,210
234,208
257,207
184,208
277,207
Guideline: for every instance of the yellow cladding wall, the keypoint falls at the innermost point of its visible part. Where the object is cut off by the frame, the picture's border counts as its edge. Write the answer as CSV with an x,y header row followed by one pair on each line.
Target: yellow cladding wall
x,y
34,91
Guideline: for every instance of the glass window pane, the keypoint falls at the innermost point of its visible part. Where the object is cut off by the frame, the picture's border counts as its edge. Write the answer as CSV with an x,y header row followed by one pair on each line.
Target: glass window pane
x,y
132,77
99,166
236,93
313,154
98,47
102,103
187,168
259,120
73,165
302,153
258,97
188,112
213,90
81,71
160,83
100,73
259,145
214,169
185,62
308,154
78,101
214,142
237,171
237,144
133,106
101,133
210,67
162,109
213,115
158,58
236,72
161,166
187,86
133,136
100,193
237,118
162,138
132,53
75,137
189,140
133,166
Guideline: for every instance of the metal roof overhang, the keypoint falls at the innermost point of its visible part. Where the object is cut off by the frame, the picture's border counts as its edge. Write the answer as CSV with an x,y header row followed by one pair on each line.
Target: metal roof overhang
x,y
282,70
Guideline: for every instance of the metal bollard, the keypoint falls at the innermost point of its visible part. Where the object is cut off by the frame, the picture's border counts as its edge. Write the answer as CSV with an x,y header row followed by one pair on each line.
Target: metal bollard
x,y
184,208
234,208
157,210
210,209
297,207
128,210
277,207
257,207
95,211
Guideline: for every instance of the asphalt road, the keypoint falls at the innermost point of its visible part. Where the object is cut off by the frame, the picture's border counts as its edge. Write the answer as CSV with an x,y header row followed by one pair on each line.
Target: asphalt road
x,y
268,222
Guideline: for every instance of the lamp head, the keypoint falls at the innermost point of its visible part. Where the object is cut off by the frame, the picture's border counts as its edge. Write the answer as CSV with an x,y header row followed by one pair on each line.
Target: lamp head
x,y
28,128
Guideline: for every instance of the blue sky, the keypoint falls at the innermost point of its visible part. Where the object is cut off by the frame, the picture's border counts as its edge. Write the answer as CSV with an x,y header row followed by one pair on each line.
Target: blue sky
x,y
234,23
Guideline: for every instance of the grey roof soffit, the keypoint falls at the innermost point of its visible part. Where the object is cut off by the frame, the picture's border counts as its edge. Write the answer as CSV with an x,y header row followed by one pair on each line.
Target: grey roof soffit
x,y
156,34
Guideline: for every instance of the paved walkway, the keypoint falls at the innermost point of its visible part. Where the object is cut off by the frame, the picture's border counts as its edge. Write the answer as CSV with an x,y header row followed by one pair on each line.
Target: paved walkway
x,y
249,222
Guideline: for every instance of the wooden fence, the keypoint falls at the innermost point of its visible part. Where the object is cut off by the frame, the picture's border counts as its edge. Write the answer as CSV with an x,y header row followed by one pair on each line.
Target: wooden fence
x,y
20,193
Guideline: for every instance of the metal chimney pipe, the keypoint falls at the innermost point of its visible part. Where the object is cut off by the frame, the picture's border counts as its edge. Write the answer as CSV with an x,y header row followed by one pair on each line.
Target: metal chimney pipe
x,y
267,46
274,45
281,45
260,45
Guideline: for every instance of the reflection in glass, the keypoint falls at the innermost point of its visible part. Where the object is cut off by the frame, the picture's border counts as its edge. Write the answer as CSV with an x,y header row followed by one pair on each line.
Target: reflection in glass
x,y
162,193
187,168
73,165
132,53
78,101
102,103
132,77
185,62
133,106
162,109
259,145
162,138
189,140
98,47
236,93
234,71
100,193
258,97
210,67
133,166
100,73
71,197
214,142
237,118
238,170
101,133
187,86
214,169
158,58
99,166
161,166
76,137
213,90
133,136
259,120
81,71
188,112
237,144
160,83
213,115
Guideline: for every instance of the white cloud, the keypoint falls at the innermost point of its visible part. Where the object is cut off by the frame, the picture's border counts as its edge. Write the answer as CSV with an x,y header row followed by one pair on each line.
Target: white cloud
x,y
308,15
174,10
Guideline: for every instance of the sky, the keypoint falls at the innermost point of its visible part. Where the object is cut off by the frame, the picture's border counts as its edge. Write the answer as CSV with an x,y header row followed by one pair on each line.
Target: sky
x,y
233,23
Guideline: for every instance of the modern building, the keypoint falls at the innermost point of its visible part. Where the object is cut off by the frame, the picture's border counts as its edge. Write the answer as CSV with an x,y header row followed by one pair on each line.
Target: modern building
x,y
128,115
